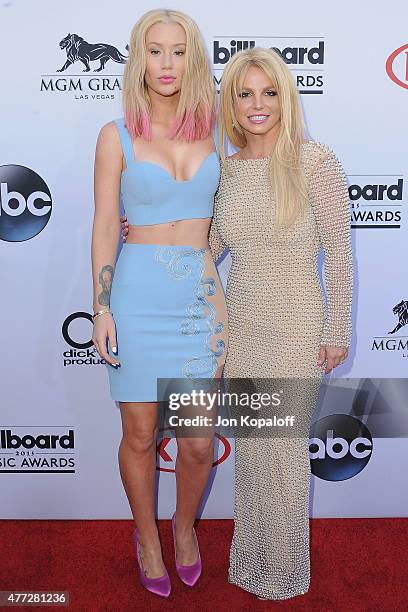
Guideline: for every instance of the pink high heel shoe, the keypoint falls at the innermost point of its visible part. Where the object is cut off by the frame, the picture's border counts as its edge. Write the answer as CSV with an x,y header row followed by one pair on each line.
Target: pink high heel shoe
x,y
159,586
189,574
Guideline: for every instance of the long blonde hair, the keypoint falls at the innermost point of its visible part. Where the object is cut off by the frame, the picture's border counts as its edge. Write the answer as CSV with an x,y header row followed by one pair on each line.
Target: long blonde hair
x,y
286,173
195,115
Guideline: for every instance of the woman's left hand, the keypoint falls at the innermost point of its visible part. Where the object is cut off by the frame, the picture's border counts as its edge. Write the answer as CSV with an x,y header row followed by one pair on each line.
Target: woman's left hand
x,y
334,355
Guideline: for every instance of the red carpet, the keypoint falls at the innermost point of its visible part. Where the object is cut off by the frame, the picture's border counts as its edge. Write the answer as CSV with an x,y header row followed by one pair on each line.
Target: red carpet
x,y
357,564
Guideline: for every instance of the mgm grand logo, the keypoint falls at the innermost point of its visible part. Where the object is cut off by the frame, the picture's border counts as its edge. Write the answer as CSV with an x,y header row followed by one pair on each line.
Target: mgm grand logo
x,y
397,343
83,54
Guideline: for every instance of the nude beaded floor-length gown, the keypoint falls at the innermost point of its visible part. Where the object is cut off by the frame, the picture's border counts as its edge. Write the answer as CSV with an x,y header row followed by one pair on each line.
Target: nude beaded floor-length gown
x,y
278,318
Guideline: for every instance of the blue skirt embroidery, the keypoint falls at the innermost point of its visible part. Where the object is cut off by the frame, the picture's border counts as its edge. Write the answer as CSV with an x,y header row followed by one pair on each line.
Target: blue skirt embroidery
x,y
170,317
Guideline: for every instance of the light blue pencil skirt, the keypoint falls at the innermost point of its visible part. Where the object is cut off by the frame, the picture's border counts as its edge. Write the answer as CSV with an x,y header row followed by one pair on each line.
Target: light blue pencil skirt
x,y
170,315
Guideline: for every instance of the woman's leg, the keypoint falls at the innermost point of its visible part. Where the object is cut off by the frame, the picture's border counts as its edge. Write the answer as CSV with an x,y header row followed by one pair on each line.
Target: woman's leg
x,y
137,464
194,461
193,466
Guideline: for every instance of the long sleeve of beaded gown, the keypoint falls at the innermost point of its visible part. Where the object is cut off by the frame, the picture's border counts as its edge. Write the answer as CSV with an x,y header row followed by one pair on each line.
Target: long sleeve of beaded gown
x,y
330,203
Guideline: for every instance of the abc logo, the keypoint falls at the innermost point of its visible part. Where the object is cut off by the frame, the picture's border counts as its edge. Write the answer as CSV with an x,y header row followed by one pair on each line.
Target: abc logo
x,y
25,203
66,333
340,448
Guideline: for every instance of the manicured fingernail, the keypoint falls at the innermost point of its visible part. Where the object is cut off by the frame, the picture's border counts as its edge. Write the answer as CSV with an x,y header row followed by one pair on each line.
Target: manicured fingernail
x,y
114,350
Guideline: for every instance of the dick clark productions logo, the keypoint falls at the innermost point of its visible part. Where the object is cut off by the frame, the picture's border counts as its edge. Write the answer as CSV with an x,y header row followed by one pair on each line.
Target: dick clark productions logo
x,y
82,351
25,203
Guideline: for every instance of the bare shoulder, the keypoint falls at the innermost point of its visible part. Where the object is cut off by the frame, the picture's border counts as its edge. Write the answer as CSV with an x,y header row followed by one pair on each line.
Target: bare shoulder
x,y
108,152
109,134
108,144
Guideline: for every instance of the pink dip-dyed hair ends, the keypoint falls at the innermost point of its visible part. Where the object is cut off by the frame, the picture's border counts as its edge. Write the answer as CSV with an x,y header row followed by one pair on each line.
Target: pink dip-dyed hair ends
x,y
196,112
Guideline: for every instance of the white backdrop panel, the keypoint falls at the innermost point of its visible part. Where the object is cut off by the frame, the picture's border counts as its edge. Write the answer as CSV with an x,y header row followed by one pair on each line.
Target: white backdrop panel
x,y
50,126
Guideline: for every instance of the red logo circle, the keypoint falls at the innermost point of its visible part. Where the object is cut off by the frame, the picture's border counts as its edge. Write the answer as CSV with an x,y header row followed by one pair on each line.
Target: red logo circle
x,y
389,66
162,452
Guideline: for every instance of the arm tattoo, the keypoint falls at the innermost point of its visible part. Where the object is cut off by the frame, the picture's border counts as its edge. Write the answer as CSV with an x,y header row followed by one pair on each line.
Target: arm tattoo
x,y
105,280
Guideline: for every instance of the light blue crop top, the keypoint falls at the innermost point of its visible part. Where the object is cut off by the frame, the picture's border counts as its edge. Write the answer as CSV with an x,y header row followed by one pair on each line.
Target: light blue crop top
x,y
151,195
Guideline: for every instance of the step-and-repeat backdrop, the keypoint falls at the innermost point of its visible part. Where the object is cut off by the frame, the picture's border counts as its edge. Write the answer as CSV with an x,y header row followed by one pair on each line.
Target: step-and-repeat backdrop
x,y
59,429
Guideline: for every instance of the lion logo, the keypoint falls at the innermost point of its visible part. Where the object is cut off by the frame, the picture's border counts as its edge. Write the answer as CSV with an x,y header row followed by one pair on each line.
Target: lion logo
x,y
78,49
401,310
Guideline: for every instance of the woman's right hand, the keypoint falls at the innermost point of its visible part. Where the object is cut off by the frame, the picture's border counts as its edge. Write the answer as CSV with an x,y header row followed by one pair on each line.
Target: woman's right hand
x,y
104,330
125,227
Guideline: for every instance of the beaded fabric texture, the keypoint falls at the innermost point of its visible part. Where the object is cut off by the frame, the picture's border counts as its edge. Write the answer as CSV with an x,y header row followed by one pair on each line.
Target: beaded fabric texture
x,y
278,318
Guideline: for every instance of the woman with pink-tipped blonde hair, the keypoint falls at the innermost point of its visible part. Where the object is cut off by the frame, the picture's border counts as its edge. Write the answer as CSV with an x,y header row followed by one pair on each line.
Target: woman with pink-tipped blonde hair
x,y
159,307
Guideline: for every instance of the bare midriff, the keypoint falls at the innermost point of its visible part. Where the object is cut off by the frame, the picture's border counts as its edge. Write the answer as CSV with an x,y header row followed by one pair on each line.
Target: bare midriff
x,y
191,232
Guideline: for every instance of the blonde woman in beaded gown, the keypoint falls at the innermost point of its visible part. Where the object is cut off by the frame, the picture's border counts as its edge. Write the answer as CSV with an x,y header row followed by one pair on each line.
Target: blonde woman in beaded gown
x,y
279,200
